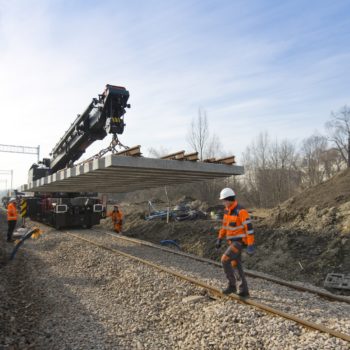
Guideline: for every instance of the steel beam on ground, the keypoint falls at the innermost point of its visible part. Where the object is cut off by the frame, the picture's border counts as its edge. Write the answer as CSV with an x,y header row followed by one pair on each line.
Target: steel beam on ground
x,y
116,173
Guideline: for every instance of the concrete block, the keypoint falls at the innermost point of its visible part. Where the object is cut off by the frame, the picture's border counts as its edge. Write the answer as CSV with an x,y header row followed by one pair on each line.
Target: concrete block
x,y
337,281
118,174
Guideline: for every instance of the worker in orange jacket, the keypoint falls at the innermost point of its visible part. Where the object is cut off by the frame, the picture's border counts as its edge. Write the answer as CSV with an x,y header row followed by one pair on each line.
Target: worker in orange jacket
x,y
238,231
117,219
11,218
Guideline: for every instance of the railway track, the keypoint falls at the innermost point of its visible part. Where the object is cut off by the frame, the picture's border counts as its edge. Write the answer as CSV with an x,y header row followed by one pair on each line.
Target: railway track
x,y
323,294
90,237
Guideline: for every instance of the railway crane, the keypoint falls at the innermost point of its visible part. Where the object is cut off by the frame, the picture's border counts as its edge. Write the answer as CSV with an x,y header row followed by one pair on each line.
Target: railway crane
x,y
104,115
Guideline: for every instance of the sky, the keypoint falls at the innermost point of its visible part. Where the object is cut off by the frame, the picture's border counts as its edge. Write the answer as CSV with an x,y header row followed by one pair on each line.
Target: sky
x,y
253,66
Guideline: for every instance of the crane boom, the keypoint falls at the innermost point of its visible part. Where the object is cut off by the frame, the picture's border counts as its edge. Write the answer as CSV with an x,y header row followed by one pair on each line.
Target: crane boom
x,y
103,115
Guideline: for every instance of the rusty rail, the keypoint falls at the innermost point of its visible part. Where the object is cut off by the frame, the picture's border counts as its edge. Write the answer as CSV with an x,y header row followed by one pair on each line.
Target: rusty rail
x,y
217,292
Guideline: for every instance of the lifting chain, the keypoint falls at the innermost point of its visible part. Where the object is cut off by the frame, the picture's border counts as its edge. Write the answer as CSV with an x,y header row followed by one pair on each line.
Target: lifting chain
x,y
111,148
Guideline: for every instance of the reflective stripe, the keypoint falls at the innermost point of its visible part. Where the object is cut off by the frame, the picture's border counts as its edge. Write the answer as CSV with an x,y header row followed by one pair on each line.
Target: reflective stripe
x,y
250,232
236,236
228,228
247,222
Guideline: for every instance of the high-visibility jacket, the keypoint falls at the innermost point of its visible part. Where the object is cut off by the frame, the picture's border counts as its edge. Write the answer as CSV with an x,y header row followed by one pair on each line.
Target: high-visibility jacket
x,y
237,225
11,212
117,216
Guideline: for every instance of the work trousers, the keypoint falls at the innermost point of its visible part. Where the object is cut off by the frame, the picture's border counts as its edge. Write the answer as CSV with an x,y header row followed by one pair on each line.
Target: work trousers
x,y
11,228
232,263
118,227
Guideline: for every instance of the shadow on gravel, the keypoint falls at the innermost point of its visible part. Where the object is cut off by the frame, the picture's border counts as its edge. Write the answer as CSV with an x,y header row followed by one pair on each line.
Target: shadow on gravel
x,y
39,310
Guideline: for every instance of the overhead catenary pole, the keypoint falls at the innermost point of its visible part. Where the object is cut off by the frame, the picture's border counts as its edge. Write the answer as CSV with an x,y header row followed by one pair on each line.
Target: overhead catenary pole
x,y
20,149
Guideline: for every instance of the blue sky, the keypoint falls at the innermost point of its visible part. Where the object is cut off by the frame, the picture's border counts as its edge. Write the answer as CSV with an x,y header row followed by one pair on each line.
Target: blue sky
x,y
254,66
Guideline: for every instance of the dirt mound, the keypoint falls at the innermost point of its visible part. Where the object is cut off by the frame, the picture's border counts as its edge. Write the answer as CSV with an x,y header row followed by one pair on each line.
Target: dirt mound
x,y
333,192
308,236
323,207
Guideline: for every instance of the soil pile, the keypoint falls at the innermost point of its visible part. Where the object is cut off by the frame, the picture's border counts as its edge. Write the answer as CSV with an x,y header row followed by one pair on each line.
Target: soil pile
x,y
325,206
308,236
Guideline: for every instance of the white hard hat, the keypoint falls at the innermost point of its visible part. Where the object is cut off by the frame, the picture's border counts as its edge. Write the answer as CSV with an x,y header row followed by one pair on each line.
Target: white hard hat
x,y
227,192
12,199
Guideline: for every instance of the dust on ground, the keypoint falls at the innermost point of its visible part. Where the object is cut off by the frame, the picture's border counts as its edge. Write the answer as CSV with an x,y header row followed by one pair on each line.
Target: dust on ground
x,y
303,239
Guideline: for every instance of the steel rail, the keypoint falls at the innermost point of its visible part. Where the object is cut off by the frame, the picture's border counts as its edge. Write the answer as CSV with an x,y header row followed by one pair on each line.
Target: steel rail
x,y
254,274
217,292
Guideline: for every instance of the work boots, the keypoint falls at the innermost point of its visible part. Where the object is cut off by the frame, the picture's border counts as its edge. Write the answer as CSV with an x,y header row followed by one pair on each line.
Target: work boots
x,y
229,289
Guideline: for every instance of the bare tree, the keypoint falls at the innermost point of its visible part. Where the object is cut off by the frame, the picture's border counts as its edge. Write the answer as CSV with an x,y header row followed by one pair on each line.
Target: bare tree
x,y
338,129
284,164
214,147
313,151
201,140
333,162
271,171
255,160
198,136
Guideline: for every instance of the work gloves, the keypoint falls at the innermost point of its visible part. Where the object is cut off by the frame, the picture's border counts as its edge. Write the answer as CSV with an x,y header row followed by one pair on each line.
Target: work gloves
x,y
218,243
251,249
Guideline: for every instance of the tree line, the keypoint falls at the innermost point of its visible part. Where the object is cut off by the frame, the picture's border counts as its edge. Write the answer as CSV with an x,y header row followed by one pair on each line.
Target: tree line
x,y
275,169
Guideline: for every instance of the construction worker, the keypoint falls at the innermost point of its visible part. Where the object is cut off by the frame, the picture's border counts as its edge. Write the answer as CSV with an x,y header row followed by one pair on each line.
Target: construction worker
x,y
11,218
117,219
238,231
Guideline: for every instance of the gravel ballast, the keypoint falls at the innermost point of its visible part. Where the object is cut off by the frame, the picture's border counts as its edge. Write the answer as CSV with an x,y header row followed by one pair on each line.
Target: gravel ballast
x,y
62,293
